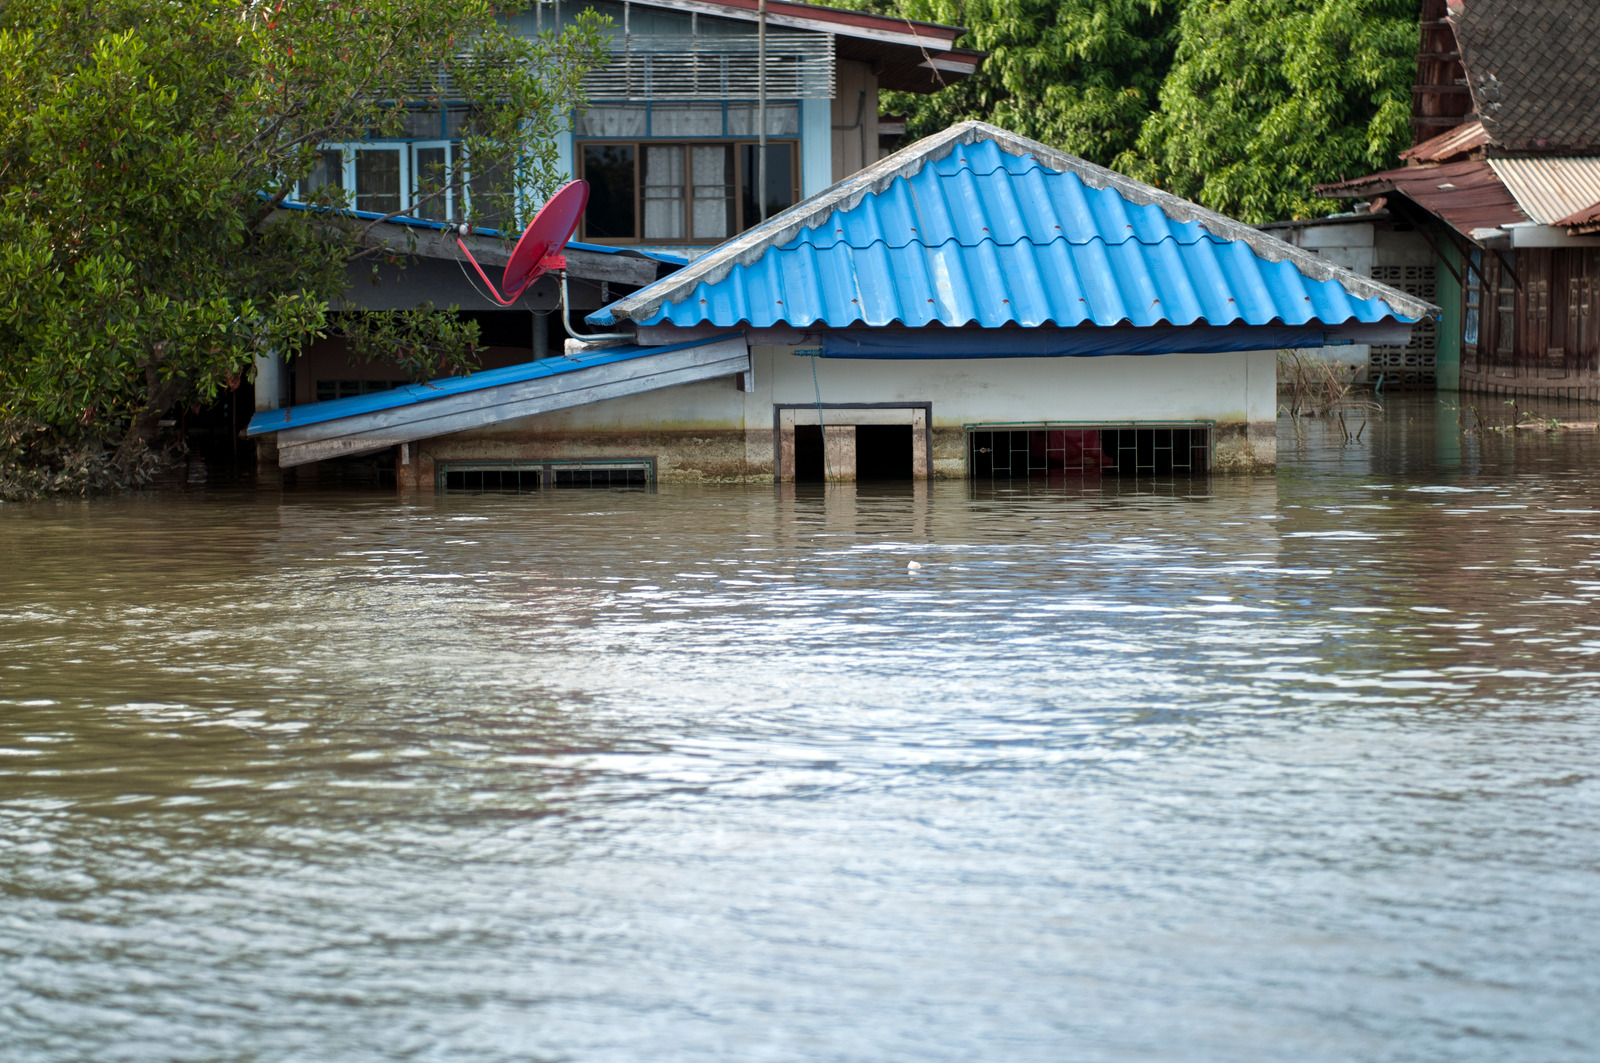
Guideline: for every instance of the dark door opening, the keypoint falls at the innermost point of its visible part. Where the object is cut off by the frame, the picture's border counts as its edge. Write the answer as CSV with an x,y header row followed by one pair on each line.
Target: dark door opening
x,y
883,452
808,453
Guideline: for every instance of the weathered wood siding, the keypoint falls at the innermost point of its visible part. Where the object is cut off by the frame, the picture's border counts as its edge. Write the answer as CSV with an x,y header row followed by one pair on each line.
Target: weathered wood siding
x,y
1537,330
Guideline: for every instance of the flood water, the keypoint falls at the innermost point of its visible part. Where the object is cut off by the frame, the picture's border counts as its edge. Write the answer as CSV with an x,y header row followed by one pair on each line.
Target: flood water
x,y
1296,767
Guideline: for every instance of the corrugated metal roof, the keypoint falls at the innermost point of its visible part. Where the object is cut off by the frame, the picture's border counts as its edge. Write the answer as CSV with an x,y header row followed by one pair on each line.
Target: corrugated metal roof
x,y
1469,195
1582,221
1550,189
979,226
1448,145
336,409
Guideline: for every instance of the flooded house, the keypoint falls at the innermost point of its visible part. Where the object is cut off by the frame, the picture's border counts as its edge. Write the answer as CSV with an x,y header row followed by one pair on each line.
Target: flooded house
x,y
974,305
1502,186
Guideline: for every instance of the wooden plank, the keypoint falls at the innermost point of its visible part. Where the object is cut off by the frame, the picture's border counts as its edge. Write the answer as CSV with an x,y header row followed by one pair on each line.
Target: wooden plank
x,y
487,398
383,438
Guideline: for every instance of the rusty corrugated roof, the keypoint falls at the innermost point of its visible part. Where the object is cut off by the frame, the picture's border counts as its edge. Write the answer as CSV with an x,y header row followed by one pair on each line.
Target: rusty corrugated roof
x,y
1548,189
1448,145
1467,195
1586,220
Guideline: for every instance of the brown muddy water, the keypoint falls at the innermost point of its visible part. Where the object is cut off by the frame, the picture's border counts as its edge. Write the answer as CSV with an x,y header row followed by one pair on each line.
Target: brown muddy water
x,y
1300,767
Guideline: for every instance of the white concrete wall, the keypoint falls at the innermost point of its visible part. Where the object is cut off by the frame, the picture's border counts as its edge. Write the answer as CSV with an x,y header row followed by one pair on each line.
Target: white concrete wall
x,y
1234,387
1237,390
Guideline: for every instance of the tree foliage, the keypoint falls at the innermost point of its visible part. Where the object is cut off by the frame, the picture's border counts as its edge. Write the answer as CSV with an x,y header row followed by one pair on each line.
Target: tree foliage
x,y
1243,105
1267,98
1080,75
144,147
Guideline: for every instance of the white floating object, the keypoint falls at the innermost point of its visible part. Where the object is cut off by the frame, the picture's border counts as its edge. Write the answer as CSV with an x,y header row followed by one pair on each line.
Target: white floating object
x,y
912,564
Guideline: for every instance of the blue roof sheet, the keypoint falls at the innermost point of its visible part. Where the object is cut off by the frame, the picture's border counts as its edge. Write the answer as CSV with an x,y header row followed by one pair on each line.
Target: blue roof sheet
x,y
411,394
991,237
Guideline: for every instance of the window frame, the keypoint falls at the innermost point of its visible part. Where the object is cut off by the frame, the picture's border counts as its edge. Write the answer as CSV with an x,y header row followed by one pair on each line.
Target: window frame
x,y
685,144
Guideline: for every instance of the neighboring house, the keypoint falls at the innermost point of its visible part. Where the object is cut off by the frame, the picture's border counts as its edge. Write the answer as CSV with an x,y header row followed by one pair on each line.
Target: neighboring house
x,y
975,305
1377,244
669,143
1503,184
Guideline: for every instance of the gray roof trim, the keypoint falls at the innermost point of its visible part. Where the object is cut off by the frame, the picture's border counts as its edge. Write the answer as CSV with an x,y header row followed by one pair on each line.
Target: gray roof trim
x,y
811,213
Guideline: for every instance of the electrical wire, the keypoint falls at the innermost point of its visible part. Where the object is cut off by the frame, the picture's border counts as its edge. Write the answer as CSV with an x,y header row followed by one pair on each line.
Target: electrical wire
x,y
827,469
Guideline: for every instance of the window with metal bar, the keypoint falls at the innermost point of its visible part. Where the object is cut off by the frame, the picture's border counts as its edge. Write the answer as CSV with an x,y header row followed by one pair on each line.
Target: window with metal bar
x,y
520,477
1023,451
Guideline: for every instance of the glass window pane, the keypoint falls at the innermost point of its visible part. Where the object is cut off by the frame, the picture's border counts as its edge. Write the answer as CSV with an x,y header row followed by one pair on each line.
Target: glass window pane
x,y
663,193
713,190
329,172
378,180
783,120
423,124
611,212
612,120
1474,293
430,173
686,120
491,199
780,181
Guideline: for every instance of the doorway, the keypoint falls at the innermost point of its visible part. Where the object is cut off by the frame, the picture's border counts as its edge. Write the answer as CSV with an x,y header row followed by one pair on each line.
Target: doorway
x,y
883,452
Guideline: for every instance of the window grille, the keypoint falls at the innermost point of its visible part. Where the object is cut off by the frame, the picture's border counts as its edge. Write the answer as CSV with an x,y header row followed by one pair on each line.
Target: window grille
x,y
683,66
1003,452
1415,364
521,477
799,65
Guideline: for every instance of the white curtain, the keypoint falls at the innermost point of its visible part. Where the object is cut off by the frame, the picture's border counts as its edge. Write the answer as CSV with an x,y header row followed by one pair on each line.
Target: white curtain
x,y
663,193
612,120
712,168
686,120
783,119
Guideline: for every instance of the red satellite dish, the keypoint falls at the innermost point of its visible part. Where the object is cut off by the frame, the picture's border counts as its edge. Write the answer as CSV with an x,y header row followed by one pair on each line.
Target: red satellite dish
x,y
539,248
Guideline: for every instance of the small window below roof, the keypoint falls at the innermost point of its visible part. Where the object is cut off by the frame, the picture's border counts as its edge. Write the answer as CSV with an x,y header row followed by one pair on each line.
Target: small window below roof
x,y
1012,452
521,477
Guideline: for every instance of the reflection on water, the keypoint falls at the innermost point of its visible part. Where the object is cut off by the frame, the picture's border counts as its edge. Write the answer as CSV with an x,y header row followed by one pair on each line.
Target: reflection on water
x,y
1250,769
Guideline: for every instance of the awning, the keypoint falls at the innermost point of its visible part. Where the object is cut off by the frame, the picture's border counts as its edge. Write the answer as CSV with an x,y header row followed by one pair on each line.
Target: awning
x,y
367,423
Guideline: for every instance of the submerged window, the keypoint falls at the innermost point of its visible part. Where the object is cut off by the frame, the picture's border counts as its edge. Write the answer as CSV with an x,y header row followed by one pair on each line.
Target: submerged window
x,y
1087,450
520,477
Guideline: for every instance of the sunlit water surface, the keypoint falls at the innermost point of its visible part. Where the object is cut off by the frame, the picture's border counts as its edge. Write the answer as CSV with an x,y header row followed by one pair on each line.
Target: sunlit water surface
x,y
1299,768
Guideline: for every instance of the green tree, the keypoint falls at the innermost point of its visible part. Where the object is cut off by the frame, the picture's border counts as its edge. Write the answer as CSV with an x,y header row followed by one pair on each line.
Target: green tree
x,y
1080,75
145,146
1267,98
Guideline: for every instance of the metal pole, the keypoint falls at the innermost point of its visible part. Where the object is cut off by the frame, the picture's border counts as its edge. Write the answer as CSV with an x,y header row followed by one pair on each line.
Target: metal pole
x,y
761,111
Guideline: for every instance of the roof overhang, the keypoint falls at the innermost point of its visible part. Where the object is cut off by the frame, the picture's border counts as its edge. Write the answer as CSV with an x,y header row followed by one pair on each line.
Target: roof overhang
x,y
1093,342
909,56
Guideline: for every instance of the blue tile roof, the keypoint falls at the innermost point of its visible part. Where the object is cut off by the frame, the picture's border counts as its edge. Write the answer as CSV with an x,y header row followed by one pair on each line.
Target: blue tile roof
x,y
979,230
